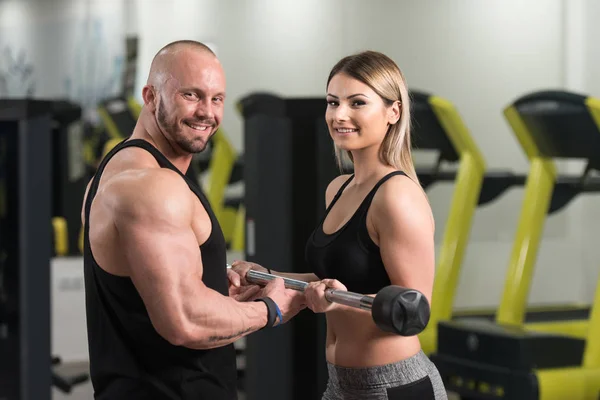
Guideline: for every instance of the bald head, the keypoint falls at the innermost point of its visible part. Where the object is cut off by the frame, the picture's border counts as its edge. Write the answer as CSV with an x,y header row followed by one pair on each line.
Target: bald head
x,y
184,97
170,57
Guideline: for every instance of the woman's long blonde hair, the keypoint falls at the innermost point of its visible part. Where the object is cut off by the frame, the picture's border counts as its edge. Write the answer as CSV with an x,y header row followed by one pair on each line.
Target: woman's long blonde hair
x,y
382,75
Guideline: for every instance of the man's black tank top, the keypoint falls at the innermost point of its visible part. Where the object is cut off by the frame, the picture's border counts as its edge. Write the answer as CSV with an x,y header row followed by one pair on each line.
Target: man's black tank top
x,y
128,358
349,254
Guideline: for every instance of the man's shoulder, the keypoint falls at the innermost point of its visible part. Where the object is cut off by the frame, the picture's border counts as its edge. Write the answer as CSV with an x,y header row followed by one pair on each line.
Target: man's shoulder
x,y
147,191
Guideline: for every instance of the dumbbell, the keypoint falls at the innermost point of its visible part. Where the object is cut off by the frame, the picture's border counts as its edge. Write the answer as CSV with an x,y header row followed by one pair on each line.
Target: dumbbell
x,y
394,308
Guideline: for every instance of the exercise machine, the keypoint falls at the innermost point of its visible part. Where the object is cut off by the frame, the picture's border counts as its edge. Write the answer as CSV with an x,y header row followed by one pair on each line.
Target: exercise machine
x,y
482,359
437,125
25,251
229,210
119,116
25,274
69,176
288,164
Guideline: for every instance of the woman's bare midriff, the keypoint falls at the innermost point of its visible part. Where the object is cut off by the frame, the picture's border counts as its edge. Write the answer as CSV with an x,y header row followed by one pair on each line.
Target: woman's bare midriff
x,y
354,341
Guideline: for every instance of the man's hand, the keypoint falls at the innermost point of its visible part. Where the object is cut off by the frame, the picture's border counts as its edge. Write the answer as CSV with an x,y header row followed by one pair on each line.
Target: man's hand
x,y
241,292
289,301
244,293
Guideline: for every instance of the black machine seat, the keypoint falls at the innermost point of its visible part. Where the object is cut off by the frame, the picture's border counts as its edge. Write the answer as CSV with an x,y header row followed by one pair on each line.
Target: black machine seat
x,y
472,380
508,346
480,359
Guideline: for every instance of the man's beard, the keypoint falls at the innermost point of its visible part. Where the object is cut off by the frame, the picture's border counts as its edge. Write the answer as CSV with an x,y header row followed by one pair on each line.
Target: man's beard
x,y
173,130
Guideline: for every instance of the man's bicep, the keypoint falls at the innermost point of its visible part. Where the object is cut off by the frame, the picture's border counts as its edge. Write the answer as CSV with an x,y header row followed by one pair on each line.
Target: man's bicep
x,y
163,261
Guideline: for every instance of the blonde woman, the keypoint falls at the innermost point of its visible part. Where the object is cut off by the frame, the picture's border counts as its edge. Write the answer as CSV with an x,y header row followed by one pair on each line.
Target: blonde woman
x,y
377,230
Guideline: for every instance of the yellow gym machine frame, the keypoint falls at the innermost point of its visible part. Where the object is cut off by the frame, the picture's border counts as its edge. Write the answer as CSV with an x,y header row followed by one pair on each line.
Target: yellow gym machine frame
x,y
468,183
539,187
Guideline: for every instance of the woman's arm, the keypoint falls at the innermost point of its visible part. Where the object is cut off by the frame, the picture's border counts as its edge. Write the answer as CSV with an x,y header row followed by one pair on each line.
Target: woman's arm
x,y
402,223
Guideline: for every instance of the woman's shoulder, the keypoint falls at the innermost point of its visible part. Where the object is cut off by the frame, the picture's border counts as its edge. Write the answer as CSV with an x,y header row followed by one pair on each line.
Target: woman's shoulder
x,y
334,187
401,198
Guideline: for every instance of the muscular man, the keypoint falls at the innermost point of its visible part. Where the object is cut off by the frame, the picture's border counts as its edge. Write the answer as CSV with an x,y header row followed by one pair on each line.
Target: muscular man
x,y
161,317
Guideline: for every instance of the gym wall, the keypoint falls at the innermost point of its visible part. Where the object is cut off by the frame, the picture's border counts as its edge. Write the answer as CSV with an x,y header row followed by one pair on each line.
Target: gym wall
x,y
587,31
61,48
478,54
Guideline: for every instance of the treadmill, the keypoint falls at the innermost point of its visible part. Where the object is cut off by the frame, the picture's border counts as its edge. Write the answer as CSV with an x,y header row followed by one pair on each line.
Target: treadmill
x,y
438,126
505,358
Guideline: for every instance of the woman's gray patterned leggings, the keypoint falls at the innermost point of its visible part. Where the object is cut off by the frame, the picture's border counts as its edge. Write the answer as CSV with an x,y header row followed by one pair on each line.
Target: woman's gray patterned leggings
x,y
413,378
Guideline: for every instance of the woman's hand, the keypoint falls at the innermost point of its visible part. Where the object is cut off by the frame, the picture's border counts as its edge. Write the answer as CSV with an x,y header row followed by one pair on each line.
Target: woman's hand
x,y
239,269
315,295
239,288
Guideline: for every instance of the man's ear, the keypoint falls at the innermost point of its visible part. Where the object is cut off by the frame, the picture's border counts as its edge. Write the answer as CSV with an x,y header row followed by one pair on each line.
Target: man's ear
x,y
149,97
394,113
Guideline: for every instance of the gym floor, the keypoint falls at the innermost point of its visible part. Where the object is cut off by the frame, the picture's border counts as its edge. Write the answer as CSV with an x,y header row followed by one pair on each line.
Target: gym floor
x,y
80,392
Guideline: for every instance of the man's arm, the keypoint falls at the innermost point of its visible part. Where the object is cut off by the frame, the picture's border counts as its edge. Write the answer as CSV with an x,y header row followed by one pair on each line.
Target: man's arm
x,y
153,217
